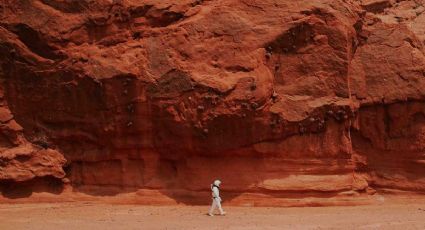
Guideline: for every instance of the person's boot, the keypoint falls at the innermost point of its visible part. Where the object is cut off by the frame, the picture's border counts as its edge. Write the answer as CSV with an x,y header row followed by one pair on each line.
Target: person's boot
x,y
210,214
223,214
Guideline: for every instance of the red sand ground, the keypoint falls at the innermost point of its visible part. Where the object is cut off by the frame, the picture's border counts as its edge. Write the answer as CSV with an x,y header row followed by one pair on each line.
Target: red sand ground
x,y
401,214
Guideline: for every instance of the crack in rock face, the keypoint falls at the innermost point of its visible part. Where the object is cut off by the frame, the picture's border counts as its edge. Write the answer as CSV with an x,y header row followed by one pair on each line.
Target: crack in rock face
x,y
316,101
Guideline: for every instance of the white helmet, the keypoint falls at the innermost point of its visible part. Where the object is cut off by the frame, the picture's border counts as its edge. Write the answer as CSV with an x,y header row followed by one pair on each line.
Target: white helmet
x,y
217,183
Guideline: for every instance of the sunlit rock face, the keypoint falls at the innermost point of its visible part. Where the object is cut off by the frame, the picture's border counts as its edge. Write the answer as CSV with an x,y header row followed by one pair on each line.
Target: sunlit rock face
x,y
280,99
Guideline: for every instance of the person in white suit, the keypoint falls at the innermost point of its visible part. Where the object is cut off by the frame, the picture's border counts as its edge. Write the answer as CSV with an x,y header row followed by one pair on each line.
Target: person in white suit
x,y
216,200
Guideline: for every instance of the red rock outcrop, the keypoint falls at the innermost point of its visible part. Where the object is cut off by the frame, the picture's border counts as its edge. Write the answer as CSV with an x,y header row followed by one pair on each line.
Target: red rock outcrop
x,y
280,99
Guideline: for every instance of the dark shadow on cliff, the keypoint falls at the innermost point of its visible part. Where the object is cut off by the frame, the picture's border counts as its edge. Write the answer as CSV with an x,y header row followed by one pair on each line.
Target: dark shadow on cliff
x,y
15,190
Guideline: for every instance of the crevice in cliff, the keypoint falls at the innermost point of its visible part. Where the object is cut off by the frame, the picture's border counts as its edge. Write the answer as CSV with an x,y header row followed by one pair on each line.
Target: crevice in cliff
x,y
34,41
165,19
377,6
361,35
295,38
68,6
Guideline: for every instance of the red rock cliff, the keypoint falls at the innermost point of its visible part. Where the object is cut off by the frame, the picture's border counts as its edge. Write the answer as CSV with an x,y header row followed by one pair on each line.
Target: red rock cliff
x,y
281,99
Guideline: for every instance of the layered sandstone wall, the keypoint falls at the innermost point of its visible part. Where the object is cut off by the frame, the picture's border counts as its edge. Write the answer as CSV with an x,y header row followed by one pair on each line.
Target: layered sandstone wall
x,y
278,98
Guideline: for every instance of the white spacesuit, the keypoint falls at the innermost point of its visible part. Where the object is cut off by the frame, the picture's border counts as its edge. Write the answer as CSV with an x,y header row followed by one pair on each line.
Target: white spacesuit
x,y
216,200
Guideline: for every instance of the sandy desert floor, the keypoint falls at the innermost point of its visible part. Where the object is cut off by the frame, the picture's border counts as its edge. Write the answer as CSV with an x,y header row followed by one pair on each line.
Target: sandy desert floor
x,y
94,216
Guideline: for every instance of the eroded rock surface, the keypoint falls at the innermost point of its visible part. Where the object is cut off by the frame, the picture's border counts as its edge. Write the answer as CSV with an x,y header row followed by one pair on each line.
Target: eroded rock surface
x,y
281,98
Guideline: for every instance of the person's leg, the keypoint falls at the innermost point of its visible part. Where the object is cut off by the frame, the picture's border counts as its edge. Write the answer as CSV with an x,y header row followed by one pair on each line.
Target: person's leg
x,y
211,212
220,208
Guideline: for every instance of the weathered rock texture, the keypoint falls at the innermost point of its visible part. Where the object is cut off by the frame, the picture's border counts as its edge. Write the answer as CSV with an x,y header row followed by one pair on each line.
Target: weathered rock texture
x,y
278,98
